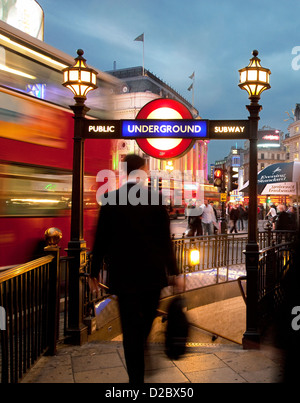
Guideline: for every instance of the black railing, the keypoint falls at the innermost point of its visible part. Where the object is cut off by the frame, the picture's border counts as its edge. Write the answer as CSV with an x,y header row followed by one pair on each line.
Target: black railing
x,y
215,251
29,301
274,263
34,297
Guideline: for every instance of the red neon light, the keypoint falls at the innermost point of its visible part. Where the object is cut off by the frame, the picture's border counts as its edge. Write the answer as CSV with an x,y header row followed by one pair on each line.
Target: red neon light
x,y
271,137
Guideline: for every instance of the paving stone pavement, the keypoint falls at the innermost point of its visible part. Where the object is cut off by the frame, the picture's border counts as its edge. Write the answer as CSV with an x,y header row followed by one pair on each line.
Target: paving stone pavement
x,y
103,363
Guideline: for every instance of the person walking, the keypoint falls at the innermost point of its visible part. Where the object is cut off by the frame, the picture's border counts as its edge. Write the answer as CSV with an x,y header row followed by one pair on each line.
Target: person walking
x,y
240,222
283,221
195,223
208,219
133,239
293,217
216,226
233,215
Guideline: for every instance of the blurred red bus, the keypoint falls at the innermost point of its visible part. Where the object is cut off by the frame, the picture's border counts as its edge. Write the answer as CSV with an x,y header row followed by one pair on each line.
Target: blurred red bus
x,y
36,147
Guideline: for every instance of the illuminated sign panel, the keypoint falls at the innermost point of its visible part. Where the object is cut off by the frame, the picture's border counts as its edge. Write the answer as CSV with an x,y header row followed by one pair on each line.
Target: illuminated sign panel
x,y
163,109
228,129
26,15
181,128
268,138
102,129
164,128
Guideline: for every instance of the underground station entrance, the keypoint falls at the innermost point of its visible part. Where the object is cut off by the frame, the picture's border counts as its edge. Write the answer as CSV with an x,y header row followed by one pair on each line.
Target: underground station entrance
x,y
214,292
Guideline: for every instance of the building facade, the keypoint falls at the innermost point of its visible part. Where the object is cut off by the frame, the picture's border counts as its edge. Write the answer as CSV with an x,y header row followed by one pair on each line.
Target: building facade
x,y
292,138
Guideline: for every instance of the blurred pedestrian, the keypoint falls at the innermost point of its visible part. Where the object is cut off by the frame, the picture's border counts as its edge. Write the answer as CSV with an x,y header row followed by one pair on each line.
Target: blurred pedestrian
x,y
139,258
188,210
240,222
283,221
272,214
261,212
195,224
216,226
293,217
208,219
233,215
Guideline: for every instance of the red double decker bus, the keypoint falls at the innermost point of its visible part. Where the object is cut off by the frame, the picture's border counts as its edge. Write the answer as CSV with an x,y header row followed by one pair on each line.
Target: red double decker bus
x,y
36,147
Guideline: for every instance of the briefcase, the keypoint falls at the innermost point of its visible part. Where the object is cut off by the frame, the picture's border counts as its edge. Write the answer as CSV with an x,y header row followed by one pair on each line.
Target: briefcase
x,y
177,329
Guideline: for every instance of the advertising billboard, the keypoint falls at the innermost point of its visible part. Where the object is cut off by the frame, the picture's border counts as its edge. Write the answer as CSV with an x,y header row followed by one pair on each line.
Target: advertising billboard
x,y
25,15
268,138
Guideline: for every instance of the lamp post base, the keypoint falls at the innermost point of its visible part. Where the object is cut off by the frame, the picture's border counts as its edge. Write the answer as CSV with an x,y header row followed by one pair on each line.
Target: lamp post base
x,y
77,332
251,340
77,336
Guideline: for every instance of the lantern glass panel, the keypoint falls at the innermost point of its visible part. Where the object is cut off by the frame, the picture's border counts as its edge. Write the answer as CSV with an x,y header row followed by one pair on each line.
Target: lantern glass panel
x,y
260,88
73,75
263,76
252,75
86,76
243,76
252,88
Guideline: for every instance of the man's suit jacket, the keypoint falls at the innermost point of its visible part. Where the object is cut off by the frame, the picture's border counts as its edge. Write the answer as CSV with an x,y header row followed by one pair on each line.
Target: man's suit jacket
x,y
134,241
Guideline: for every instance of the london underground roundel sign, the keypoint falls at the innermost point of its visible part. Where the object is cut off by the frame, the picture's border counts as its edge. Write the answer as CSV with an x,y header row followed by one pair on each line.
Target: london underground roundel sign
x,y
166,148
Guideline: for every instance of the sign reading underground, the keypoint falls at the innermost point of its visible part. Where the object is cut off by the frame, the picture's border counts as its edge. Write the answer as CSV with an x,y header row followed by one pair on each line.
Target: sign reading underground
x,y
165,129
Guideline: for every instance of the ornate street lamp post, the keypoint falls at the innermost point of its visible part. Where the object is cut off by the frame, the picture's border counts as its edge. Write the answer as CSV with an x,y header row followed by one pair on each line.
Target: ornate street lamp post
x,y
254,79
80,79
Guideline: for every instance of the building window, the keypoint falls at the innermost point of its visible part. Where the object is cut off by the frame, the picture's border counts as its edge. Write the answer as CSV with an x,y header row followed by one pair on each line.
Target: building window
x,y
262,156
278,156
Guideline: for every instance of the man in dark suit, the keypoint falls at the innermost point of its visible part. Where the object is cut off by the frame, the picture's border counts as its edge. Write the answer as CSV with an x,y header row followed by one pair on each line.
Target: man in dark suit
x,y
133,238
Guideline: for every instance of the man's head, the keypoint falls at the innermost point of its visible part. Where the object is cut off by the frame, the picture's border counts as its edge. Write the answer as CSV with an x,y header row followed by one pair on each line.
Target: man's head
x,y
134,162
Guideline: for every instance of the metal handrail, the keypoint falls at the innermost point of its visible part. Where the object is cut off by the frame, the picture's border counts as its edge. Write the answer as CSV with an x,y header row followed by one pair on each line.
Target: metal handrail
x,y
24,268
240,279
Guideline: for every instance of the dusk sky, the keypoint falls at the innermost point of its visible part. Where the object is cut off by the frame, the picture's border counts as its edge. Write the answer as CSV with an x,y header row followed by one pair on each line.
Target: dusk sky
x,y
212,38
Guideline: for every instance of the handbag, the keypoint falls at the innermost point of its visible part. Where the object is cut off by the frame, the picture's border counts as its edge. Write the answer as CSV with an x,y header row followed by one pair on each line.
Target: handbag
x,y
177,329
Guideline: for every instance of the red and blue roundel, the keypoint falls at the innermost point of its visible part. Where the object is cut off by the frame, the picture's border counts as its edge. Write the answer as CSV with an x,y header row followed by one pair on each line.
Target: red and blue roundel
x,y
166,148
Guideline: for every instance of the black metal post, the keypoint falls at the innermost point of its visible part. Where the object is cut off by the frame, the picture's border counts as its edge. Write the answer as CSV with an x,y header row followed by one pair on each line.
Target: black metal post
x,y
223,213
77,332
251,336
